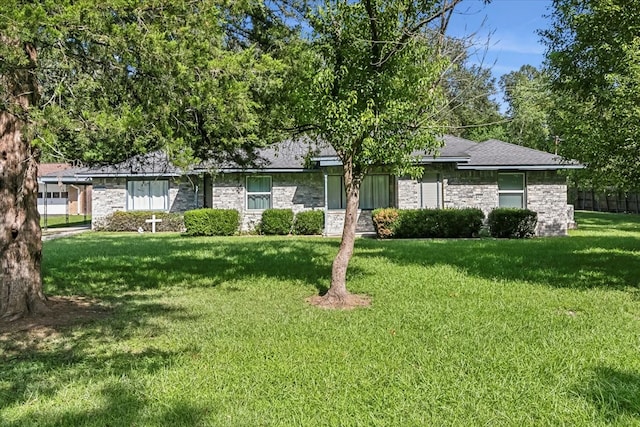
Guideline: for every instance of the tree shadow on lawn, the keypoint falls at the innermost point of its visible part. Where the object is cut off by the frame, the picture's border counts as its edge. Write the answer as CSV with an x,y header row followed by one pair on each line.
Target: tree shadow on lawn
x,y
43,363
608,262
105,266
614,393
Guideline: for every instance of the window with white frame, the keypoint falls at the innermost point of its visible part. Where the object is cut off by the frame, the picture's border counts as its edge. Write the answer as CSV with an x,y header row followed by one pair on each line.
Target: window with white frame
x,y
375,192
511,190
258,192
148,195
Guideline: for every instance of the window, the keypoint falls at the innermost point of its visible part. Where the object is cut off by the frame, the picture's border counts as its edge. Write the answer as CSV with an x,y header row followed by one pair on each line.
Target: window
x,y
375,192
258,192
148,195
511,190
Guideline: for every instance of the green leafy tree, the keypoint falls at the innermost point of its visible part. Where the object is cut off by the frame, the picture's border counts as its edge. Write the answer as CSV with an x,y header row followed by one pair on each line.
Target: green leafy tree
x,y
101,81
471,112
530,100
593,59
372,88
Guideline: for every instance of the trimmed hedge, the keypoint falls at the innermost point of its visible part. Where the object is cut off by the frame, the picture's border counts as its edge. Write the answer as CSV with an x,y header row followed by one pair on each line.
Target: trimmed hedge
x,y
134,220
428,223
212,222
308,223
512,223
277,221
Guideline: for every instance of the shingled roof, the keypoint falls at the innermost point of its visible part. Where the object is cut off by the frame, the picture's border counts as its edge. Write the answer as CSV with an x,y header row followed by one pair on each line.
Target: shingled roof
x,y
297,155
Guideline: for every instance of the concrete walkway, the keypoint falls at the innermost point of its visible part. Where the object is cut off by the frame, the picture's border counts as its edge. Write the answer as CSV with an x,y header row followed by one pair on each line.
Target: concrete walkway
x,y
58,232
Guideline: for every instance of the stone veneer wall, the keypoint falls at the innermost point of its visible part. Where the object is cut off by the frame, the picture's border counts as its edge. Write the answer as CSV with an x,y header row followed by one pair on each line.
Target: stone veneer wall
x,y
547,195
110,195
296,191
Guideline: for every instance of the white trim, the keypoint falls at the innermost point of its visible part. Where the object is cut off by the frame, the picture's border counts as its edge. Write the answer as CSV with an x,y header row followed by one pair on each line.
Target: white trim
x,y
519,167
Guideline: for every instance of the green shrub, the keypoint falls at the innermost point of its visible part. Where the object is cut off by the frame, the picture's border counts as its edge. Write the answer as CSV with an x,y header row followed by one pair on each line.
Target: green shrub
x,y
512,223
308,222
212,222
135,220
428,223
385,220
277,221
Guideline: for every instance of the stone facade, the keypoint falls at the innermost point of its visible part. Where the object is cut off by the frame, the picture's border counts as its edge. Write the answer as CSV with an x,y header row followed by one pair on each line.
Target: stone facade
x,y
296,191
545,193
110,195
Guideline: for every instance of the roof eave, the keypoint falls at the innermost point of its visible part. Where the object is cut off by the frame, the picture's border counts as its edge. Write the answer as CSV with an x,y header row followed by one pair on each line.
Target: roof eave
x,y
518,167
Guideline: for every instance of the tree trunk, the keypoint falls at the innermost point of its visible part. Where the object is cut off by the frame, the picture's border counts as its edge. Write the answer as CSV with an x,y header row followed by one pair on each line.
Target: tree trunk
x,y
20,234
338,290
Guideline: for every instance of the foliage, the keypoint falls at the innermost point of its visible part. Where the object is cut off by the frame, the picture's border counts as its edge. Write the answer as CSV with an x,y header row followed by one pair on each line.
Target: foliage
x,y
428,223
384,220
277,221
134,220
530,99
593,56
309,222
470,112
512,223
122,77
212,222
196,322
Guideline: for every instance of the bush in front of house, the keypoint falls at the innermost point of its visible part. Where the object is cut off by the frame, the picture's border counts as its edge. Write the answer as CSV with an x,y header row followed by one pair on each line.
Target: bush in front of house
x,y
512,223
134,220
212,222
276,221
384,221
308,223
428,223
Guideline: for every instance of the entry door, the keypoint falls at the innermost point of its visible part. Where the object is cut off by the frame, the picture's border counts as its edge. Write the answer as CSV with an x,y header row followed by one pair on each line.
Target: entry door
x,y
431,190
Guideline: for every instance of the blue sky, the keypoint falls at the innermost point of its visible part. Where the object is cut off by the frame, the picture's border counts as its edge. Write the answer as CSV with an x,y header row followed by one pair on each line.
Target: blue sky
x,y
511,26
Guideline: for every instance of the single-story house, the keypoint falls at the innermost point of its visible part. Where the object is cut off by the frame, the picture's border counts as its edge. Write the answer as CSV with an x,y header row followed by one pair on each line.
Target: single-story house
x,y
301,175
61,191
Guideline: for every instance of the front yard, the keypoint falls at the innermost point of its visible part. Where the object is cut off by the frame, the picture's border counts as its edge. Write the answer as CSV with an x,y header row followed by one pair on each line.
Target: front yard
x,y
216,331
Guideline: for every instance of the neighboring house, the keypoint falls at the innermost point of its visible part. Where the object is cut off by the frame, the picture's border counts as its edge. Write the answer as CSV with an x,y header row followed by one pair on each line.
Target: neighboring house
x,y
61,191
301,176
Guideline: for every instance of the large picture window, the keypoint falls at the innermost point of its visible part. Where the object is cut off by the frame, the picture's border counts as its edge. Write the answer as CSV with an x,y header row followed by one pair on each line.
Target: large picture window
x,y
258,192
511,192
375,192
148,195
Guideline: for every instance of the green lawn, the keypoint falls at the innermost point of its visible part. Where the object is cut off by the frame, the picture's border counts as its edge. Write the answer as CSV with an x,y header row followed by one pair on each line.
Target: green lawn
x,y
216,331
57,221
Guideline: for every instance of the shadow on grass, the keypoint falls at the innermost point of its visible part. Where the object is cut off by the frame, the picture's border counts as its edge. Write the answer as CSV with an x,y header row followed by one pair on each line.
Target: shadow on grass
x,y
610,262
36,367
614,393
104,265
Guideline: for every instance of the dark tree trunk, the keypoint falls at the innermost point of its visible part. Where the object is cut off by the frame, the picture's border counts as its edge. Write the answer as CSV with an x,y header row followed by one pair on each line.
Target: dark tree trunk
x,y
20,234
338,289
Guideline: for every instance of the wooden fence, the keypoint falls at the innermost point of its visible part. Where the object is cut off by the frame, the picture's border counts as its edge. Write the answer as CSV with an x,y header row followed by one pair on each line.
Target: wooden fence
x,y
590,200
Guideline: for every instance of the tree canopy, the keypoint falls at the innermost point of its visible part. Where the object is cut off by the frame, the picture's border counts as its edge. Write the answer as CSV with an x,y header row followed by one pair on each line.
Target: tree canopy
x,y
593,60
120,77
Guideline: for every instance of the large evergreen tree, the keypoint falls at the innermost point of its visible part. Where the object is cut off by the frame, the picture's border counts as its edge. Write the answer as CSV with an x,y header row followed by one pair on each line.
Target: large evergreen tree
x,y
101,81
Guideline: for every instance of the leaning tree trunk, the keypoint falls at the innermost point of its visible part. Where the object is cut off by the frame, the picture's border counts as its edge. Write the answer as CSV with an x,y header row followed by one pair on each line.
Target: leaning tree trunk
x,y
338,290
20,233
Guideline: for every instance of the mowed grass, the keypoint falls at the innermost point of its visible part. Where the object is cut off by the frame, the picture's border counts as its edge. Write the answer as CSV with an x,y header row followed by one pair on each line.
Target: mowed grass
x,y
57,221
216,332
